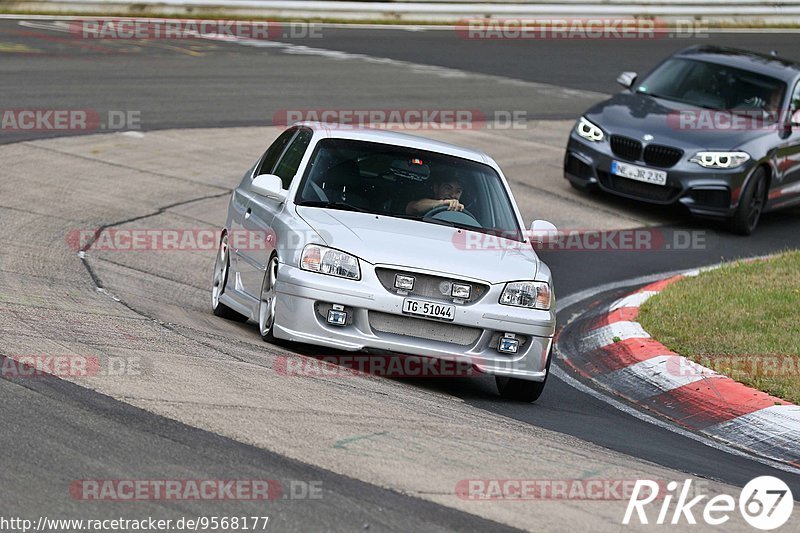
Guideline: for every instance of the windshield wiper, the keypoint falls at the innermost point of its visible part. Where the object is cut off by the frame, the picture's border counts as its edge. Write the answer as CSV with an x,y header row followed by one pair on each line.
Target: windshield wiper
x,y
333,205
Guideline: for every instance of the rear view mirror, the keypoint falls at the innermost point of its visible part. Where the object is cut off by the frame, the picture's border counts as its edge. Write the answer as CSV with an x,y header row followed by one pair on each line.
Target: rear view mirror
x,y
269,185
627,79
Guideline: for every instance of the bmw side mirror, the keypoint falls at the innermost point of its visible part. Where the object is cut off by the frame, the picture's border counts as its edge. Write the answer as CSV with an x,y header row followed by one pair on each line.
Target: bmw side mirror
x,y
542,231
269,185
627,79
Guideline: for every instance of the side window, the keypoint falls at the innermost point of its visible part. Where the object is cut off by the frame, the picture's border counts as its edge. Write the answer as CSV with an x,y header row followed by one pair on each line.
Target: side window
x,y
795,102
287,167
274,152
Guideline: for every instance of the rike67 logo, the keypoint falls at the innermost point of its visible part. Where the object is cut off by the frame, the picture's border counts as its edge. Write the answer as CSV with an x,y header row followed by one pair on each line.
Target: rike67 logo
x,y
765,503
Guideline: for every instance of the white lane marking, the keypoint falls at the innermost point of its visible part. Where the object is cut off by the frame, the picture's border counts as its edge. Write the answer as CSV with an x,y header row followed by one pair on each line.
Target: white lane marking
x,y
633,300
635,413
442,72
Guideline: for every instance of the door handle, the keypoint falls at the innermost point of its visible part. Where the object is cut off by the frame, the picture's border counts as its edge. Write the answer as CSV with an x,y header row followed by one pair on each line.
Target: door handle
x,y
248,213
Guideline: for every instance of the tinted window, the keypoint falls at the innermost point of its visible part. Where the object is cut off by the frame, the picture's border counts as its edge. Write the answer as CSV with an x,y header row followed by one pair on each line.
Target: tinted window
x,y
287,167
714,86
274,152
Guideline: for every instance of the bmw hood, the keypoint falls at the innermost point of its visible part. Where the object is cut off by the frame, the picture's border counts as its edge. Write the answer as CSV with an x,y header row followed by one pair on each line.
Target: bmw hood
x,y
673,123
386,240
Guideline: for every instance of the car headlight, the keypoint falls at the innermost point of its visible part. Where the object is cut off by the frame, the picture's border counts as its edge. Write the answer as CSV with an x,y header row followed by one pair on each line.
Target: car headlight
x,y
532,294
720,159
326,260
589,131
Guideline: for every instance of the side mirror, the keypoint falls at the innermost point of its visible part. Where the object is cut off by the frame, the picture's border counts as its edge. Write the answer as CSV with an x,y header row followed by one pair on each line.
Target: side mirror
x,y
627,79
542,231
796,118
269,185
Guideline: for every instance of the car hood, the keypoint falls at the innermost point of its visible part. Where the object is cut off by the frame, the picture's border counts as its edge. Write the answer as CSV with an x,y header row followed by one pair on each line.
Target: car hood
x,y
414,244
636,115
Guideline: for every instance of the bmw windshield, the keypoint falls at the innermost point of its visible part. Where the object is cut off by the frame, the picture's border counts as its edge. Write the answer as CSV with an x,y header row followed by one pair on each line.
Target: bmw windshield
x,y
714,86
403,182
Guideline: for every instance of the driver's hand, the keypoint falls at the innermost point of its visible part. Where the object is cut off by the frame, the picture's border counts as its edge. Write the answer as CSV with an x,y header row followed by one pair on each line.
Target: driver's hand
x,y
452,204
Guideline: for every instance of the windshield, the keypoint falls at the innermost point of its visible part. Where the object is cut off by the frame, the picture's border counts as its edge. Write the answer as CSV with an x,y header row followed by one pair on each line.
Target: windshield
x,y
713,86
401,182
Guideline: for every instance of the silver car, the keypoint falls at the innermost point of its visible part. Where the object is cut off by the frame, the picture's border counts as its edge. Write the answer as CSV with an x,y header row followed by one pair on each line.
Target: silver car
x,y
378,241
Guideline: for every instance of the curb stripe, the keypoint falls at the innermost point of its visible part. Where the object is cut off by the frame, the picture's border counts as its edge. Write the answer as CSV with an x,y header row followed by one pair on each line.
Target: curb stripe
x,y
625,353
705,403
615,351
633,300
649,378
618,331
773,432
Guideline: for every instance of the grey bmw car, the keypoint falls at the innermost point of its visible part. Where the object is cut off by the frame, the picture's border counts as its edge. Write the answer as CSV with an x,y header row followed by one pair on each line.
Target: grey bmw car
x,y
362,239
714,129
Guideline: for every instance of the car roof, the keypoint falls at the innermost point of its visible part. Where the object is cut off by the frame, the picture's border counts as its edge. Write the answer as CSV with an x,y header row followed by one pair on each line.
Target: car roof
x,y
774,66
363,133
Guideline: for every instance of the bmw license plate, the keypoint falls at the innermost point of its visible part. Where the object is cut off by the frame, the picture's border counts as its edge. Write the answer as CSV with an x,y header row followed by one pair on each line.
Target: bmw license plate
x,y
429,309
633,172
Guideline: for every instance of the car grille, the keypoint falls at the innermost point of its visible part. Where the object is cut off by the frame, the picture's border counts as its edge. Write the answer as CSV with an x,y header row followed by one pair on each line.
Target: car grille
x,y
638,189
428,286
661,156
654,154
626,148
423,329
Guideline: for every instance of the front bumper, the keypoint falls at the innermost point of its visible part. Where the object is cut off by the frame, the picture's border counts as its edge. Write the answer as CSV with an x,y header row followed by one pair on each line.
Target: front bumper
x,y
376,323
705,192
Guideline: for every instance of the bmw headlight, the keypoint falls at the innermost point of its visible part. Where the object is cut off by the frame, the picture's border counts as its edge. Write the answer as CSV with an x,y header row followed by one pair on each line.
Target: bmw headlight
x,y
326,260
720,159
589,131
532,294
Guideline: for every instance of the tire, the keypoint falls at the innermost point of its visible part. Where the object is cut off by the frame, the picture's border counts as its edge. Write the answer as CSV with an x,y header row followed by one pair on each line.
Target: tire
x,y
220,280
751,204
267,301
521,390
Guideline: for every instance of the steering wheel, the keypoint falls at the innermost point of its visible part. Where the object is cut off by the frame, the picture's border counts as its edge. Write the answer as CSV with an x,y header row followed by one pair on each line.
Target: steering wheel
x,y
442,208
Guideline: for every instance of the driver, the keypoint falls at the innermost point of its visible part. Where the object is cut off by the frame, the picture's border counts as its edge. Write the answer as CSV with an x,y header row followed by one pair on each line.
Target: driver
x,y
446,191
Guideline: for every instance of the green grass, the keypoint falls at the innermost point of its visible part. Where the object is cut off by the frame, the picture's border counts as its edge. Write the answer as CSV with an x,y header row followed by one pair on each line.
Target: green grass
x,y
742,320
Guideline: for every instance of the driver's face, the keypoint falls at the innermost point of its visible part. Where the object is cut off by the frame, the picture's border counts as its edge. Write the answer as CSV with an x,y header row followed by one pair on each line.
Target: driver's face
x,y
448,190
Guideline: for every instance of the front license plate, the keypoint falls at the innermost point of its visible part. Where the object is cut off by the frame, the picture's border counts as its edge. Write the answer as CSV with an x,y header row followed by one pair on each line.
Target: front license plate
x,y
429,309
647,175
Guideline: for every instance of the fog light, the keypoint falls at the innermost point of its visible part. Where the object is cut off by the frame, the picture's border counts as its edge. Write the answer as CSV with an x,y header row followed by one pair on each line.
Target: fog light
x,y
460,291
404,282
508,344
337,316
